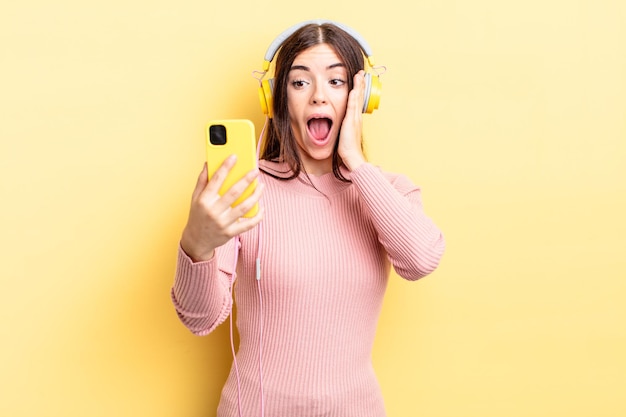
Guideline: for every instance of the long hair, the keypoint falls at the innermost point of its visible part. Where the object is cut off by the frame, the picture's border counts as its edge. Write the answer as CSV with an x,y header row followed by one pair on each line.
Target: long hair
x,y
280,143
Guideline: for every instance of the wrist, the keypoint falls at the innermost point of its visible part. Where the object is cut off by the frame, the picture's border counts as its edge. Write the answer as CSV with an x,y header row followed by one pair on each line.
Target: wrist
x,y
191,249
353,162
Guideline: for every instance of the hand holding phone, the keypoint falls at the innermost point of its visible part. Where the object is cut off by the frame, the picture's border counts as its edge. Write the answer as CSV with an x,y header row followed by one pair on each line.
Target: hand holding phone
x,y
211,221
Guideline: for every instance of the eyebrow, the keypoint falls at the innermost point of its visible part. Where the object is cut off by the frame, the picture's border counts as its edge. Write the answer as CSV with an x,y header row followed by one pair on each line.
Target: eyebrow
x,y
305,68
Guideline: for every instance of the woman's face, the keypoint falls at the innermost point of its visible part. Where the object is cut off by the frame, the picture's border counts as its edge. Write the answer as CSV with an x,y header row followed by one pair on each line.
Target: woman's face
x,y
317,96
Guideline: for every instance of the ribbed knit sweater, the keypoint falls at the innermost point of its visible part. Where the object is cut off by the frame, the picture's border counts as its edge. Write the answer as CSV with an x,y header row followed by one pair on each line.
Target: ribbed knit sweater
x,y
326,251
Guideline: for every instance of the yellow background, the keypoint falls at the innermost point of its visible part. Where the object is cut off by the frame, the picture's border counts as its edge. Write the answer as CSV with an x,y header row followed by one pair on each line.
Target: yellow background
x,y
510,115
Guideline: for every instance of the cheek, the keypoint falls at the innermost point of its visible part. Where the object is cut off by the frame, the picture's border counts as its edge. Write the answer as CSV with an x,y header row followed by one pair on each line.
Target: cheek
x,y
341,102
341,111
295,126
292,106
293,120
295,113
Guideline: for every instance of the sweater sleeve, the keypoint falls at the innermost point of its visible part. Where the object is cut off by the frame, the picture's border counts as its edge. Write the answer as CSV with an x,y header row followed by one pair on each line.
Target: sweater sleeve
x,y
413,242
201,292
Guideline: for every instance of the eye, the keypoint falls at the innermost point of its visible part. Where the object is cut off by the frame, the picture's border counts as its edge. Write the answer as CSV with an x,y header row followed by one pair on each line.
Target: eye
x,y
337,82
298,84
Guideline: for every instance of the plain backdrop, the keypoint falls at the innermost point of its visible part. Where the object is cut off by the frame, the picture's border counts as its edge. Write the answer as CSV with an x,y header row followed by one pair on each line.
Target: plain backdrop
x,y
511,116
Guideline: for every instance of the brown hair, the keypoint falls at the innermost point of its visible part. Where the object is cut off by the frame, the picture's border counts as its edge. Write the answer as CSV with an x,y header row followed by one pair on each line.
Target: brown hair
x,y
280,143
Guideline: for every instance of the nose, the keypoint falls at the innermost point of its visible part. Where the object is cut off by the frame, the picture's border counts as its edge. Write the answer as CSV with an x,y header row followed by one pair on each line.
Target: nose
x,y
318,95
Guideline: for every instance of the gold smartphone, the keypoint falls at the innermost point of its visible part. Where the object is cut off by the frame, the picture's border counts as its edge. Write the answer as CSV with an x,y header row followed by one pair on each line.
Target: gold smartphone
x,y
227,137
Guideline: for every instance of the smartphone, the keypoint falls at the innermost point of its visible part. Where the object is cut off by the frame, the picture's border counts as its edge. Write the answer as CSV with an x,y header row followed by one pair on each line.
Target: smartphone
x,y
227,137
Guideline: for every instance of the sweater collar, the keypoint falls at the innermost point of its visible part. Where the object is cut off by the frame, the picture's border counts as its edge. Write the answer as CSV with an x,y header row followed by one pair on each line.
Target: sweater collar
x,y
325,184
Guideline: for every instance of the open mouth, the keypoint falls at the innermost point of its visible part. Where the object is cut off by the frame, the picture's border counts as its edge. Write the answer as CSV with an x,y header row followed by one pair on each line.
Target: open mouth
x,y
319,127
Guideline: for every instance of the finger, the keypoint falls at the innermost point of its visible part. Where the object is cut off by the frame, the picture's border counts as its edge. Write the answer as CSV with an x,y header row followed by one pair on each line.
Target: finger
x,y
243,224
358,91
219,176
236,190
360,76
361,92
200,183
241,209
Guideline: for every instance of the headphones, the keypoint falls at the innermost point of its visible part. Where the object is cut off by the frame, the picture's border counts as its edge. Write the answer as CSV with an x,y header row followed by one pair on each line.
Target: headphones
x,y
372,82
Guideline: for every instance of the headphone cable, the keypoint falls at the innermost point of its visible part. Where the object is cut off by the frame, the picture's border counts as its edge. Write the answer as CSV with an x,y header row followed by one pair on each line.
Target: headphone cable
x,y
237,245
258,281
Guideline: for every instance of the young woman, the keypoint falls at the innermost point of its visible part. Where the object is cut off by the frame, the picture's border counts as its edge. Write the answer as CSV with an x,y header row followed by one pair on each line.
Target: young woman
x,y
330,228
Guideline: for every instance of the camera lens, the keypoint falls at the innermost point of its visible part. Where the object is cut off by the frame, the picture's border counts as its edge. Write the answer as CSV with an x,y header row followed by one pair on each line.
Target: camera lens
x,y
217,134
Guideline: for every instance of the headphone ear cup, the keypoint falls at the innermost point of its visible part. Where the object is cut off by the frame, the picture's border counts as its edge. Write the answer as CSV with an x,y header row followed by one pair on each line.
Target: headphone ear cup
x,y
266,98
372,93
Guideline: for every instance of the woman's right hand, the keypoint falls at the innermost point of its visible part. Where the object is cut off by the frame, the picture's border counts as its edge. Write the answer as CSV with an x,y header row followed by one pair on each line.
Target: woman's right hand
x,y
212,222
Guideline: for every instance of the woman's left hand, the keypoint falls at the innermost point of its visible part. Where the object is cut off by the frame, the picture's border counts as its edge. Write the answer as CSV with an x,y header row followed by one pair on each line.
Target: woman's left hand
x,y
350,138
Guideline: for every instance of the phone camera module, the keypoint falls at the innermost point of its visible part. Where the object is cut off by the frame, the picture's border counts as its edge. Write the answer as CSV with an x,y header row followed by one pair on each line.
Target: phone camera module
x,y
217,134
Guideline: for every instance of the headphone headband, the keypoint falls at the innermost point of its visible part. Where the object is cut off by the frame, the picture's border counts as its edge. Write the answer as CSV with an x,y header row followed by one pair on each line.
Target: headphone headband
x,y
275,45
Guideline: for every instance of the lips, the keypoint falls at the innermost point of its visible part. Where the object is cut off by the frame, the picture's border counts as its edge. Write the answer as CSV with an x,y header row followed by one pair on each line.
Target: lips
x,y
319,127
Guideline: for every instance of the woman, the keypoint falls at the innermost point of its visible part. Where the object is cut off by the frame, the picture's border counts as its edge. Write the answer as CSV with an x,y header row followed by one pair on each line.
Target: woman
x,y
331,227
